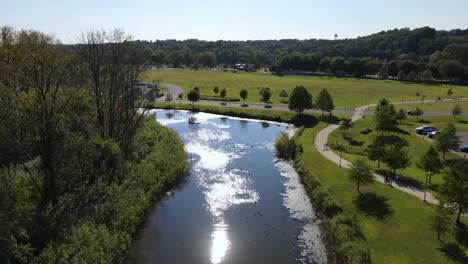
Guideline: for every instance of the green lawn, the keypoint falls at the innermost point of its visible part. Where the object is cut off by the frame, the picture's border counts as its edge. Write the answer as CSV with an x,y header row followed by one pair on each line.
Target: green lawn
x,y
347,92
431,105
356,144
395,225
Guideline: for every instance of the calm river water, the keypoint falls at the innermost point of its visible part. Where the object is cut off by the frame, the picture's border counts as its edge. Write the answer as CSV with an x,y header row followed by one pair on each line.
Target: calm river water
x,y
238,205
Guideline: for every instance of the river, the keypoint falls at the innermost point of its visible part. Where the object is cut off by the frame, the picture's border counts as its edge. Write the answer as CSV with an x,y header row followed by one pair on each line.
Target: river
x,y
238,205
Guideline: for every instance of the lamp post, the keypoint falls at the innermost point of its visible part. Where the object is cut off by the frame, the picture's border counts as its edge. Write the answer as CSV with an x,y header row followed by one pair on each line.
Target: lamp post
x,y
425,187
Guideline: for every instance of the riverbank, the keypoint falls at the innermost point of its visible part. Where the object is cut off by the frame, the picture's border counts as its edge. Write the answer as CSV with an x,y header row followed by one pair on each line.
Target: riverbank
x,y
157,164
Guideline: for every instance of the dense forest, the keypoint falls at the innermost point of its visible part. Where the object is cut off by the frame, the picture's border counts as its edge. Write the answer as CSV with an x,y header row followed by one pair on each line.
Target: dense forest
x,y
80,163
422,54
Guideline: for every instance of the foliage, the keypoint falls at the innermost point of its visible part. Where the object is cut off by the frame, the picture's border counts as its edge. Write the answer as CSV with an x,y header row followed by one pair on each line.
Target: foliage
x,y
283,93
440,221
216,90
456,110
300,99
400,115
396,157
266,94
346,123
385,116
455,186
431,162
193,96
324,101
447,139
285,147
243,94
361,173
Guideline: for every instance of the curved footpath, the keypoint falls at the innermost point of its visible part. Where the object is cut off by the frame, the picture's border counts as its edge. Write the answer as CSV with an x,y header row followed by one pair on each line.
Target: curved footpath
x,y
321,140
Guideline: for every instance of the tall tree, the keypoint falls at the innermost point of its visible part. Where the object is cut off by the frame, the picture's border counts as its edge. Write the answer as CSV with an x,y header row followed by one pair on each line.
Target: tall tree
x,y
400,115
243,94
430,162
216,90
455,186
385,116
440,221
361,174
396,157
266,94
324,101
456,110
376,150
223,94
193,96
300,99
447,139
346,123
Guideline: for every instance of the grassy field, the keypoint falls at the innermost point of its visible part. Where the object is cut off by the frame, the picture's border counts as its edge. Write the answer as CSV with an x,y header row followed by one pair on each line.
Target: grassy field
x,y
347,92
395,224
431,105
356,143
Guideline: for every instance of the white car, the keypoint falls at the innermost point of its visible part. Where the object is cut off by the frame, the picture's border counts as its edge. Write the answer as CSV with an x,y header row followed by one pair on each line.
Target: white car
x,y
423,130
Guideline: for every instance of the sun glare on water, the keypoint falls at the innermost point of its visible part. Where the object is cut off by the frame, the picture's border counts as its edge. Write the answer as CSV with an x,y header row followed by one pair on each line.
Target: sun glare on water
x,y
220,243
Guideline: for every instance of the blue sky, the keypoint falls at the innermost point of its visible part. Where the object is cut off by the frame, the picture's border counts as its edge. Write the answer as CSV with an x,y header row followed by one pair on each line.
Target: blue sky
x,y
233,19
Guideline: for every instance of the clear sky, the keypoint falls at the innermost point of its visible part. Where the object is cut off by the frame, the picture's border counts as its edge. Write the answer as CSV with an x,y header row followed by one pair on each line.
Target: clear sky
x,y
233,19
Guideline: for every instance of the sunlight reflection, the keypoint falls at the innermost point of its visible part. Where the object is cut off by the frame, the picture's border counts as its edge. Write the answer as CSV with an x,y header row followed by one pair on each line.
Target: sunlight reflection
x,y
220,243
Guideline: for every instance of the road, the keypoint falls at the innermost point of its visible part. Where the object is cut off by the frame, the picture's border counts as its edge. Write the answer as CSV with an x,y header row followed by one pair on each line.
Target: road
x,y
175,90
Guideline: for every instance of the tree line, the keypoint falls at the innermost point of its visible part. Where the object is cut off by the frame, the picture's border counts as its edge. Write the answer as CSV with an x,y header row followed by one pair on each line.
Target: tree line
x,y
80,164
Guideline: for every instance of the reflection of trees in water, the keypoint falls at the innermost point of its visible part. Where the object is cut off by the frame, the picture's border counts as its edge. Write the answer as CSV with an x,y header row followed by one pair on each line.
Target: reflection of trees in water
x,y
243,124
169,115
265,124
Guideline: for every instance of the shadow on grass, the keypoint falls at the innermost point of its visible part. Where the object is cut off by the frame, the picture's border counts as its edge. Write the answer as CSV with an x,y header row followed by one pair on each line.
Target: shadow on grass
x,y
304,120
463,121
454,253
373,205
461,234
400,131
331,119
403,181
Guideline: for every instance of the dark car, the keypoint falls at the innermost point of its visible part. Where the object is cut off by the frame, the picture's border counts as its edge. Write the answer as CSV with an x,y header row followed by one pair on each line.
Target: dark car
x,y
410,112
464,148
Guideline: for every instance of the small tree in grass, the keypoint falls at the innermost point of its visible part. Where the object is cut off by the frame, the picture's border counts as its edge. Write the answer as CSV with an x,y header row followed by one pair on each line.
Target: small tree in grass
x,y
440,221
396,157
449,92
223,93
376,150
266,94
283,93
346,123
418,111
324,101
216,90
300,99
243,94
361,173
447,139
400,115
431,162
193,96
169,98
340,147
455,186
456,110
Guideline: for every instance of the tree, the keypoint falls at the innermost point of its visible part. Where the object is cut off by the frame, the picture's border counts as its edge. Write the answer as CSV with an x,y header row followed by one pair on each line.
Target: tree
x,y
193,96
283,93
396,157
346,123
376,150
456,110
449,92
413,76
266,94
223,93
243,94
418,111
360,173
216,90
300,99
447,139
340,147
431,162
385,116
400,115
440,220
455,186
324,101
426,76
401,76
451,69
169,98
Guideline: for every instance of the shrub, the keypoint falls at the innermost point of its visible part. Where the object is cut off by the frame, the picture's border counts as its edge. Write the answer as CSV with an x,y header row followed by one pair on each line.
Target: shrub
x,y
283,93
285,147
366,131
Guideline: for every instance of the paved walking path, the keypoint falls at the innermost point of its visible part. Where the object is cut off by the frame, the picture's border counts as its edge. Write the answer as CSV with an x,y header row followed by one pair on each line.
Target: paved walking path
x,y
322,139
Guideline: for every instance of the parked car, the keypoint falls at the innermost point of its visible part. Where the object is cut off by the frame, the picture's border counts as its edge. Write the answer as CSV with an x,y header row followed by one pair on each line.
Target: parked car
x,y
410,112
433,134
464,148
423,130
